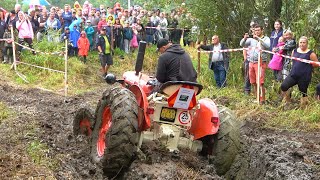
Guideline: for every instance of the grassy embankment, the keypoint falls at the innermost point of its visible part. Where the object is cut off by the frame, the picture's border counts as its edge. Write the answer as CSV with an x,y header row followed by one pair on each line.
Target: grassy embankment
x,y
86,77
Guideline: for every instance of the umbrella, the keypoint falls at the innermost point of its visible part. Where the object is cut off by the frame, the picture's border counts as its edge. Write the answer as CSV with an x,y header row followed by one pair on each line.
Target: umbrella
x,y
37,2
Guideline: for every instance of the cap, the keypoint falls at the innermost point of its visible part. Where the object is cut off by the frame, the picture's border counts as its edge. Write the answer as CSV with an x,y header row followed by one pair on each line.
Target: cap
x,y
88,21
162,42
103,28
13,12
66,28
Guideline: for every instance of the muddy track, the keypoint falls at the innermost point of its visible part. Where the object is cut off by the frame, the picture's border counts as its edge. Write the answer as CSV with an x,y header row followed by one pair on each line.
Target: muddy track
x,y
45,117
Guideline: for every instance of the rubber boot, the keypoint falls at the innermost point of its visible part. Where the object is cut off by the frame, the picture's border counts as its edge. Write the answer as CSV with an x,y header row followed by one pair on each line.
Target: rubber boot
x,y
303,102
286,97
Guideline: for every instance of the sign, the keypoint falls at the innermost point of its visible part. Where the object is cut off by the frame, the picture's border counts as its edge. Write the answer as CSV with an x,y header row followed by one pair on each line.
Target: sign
x,y
183,98
184,117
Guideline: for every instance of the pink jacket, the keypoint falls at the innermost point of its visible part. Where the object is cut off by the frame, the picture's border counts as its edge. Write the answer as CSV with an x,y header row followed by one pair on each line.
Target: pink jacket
x,y
25,29
276,61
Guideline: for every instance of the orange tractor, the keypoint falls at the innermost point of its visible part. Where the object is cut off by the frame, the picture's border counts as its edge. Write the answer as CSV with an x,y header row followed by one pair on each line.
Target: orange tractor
x,y
128,115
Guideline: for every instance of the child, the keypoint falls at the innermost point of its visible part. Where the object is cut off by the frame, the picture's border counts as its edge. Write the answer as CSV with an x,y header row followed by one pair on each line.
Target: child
x,y
134,42
276,61
83,46
8,57
127,36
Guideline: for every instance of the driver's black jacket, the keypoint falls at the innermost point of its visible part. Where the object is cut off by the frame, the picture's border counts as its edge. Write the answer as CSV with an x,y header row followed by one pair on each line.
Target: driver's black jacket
x,y
175,65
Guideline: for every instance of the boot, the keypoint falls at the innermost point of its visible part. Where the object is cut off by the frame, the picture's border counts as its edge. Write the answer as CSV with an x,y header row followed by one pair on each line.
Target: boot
x,y
286,96
303,102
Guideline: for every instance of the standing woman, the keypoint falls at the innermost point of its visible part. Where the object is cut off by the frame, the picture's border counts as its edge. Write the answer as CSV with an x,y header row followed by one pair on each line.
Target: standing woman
x,y
24,27
276,34
301,72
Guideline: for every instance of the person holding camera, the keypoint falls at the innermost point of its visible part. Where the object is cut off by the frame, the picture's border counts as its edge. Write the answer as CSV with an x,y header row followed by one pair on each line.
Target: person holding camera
x,y
257,42
105,50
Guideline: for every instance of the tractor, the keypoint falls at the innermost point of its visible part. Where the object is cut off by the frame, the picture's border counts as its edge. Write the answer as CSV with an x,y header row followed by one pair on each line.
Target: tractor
x,y
131,113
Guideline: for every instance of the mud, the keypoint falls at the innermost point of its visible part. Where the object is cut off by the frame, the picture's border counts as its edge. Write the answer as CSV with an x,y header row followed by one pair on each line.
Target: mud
x,y
45,117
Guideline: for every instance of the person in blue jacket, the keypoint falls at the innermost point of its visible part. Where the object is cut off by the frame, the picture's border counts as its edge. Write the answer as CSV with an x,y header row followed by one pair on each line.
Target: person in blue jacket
x,y
67,16
74,37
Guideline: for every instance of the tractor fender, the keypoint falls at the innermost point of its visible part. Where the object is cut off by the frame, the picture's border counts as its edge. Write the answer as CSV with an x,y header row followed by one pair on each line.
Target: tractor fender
x,y
206,119
142,101
141,80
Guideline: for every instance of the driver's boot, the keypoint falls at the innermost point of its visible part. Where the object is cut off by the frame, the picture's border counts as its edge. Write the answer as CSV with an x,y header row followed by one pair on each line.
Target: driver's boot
x,y
303,102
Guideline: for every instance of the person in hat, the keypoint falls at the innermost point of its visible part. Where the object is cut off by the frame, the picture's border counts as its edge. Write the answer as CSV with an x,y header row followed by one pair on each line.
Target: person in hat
x,y
90,33
105,50
174,63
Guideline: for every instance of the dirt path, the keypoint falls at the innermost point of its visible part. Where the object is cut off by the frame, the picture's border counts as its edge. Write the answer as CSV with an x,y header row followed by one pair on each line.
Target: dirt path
x,y
37,141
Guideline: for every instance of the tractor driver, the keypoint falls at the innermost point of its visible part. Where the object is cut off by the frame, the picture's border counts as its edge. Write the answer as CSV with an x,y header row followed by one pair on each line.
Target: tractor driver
x,y
174,64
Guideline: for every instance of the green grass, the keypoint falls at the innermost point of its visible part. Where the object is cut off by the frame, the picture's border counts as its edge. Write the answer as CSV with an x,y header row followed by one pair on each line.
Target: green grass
x,y
38,151
87,77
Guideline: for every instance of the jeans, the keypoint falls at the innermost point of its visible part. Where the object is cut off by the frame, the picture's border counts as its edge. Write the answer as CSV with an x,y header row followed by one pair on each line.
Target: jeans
x,y
247,85
219,73
126,44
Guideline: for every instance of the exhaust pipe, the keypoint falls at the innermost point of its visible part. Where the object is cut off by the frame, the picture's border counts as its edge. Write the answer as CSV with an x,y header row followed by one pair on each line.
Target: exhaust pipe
x,y
140,56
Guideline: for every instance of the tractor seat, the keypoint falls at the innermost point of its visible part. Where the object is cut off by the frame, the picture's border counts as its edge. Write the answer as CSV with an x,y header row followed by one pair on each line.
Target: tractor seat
x,y
171,87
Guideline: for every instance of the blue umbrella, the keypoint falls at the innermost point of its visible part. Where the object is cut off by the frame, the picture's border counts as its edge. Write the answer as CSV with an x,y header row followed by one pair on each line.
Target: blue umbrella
x,y
37,2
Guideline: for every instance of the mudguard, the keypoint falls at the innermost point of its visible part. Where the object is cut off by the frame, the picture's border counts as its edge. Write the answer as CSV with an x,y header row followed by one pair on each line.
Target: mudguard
x,y
141,80
206,120
142,101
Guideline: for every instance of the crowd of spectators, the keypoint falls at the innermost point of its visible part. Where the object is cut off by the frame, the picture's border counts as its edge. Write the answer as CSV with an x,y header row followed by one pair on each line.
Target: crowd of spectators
x,y
126,27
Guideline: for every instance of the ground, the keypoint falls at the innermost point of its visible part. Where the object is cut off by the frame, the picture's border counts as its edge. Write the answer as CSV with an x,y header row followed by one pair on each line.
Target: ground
x,y
37,142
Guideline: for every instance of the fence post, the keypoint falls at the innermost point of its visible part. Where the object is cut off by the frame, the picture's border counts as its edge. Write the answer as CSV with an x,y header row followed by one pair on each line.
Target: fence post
x,y
259,74
66,69
14,65
199,62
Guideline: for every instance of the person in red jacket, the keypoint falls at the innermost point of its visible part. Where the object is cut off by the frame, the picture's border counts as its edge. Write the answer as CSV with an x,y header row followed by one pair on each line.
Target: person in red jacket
x,y
83,46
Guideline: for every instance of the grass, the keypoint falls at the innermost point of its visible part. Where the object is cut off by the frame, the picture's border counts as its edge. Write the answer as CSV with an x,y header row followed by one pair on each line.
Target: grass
x,y
4,112
87,77
38,151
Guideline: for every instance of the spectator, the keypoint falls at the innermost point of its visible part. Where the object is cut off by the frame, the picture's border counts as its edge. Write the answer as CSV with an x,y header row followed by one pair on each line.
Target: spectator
x,y
276,34
25,31
218,61
247,85
163,25
3,27
104,49
134,42
289,46
118,34
67,16
155,19
150,29
52,26
102,23
141,31
42,21
276,61
74,37
7,50
90,33
83,46
127,36
318,91
259,40
301,72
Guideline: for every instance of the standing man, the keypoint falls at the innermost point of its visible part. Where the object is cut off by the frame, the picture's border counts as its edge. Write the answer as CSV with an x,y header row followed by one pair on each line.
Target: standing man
x,y
104,49
218,61
258,41
67,16
174,64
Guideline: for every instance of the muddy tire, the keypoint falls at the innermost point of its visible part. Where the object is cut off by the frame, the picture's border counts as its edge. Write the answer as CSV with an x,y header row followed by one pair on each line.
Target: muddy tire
x,y
115,135
226,142
83,122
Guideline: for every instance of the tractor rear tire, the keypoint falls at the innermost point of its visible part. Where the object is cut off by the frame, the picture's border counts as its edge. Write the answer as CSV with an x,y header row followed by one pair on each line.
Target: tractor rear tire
x,y
115,135
83,122
226,142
